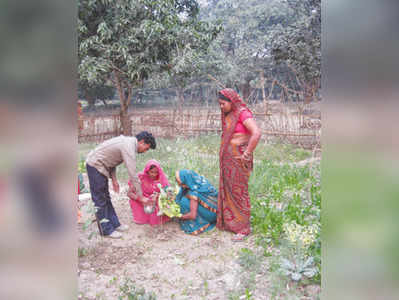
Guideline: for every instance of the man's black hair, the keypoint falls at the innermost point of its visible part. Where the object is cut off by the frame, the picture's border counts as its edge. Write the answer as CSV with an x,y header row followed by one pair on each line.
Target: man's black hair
x,y
148,139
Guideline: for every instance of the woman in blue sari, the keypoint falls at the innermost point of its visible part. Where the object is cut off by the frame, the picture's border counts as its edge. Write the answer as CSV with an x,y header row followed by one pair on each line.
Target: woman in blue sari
x,y
197,199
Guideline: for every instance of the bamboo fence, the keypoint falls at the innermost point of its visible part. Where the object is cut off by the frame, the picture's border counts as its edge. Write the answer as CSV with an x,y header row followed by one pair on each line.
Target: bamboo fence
x,y
291,125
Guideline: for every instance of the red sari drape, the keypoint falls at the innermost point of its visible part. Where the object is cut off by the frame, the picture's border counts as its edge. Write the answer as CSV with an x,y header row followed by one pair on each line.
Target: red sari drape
x,y
234,207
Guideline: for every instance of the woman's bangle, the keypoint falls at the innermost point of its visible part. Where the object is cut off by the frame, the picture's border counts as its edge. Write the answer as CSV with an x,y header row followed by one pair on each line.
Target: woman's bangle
x,y
246,155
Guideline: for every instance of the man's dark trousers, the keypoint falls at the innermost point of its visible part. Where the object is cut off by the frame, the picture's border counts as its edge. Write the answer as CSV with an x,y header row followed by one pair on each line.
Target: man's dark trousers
x,y
102,200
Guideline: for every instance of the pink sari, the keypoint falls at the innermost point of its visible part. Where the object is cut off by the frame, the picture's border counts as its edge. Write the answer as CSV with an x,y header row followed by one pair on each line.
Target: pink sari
x,y
148,187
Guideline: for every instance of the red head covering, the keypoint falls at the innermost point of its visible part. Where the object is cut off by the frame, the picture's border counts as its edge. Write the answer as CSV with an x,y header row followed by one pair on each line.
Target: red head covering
x,y
235,99
149,185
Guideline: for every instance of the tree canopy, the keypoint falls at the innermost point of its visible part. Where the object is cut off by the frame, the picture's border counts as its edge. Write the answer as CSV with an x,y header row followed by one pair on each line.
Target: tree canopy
x,y
128,41
276,39
252,46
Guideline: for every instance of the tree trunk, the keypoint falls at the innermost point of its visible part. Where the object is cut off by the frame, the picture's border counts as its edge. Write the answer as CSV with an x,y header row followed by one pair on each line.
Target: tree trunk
x,y
105,103
180,98
262,82
201,95
125,121
309,91
91,101
124,101
246,90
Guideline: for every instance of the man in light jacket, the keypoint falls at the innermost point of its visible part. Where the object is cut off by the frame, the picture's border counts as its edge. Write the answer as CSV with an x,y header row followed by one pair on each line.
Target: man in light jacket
x,y
101,164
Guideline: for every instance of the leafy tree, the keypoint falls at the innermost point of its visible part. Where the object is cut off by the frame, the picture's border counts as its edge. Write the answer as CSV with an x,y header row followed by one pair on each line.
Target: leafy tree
x,y
190,62
298,45
267,40
244,42
128,41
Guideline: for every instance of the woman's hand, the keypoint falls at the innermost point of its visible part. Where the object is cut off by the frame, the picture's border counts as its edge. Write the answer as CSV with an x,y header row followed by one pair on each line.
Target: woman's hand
x,y
255,135
154,197
132,194
147,201
246,156
170,194
192,214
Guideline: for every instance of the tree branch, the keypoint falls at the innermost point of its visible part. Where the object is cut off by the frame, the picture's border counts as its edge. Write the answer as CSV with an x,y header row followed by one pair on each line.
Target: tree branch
x,y
217,81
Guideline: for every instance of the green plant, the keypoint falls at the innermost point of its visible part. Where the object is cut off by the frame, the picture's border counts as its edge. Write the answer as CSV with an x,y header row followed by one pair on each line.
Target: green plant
x,y
206,287
299,267
82,166
167,205
295,261
82,187
112,281
281,194
90,217
234,296
129,291
82,252
248,294
248,260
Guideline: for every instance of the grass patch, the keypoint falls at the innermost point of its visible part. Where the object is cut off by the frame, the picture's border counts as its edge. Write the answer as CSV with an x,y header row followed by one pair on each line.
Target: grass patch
x,y
201,154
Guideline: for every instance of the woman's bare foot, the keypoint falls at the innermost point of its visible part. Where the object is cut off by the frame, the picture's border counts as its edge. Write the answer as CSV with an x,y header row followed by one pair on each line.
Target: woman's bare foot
x,y
239,237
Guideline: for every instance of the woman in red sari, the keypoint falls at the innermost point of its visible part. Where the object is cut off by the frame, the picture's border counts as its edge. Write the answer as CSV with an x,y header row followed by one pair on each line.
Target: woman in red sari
x,y
150,177
240,136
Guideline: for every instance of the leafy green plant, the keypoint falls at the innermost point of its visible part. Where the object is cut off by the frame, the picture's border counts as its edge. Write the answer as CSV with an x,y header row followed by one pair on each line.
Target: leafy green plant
x,y
248,294
295,261
248,259
82,252
129,291
82,187
299,268
82,166
166,202
90,217
281,194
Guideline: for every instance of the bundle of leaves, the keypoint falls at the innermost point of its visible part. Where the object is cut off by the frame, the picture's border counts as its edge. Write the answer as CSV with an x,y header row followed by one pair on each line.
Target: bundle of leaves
x,y
82,167
166,202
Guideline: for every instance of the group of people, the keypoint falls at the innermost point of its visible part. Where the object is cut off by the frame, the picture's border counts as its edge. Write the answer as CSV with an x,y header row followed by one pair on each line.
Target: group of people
x,y
202,207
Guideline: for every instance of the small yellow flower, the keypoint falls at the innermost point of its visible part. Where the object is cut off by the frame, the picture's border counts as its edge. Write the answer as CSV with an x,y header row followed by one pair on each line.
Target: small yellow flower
x,y
297,234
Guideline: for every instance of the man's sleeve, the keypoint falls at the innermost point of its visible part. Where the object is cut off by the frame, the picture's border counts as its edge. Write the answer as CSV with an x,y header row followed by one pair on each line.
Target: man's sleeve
x,y
129,157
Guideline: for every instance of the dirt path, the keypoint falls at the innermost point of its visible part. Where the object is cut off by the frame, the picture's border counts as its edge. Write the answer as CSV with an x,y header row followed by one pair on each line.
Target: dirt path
x,y
164,260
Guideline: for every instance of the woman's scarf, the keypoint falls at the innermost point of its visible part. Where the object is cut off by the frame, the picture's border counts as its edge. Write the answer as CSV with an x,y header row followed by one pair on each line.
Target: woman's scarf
x,y
149,185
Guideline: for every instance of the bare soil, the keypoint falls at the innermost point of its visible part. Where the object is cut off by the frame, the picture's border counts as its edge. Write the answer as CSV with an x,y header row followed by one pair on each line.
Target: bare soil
x,y
164,260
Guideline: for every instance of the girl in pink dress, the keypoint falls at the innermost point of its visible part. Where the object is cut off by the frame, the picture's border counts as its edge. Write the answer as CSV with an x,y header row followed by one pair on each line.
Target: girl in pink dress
x,y
149,178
